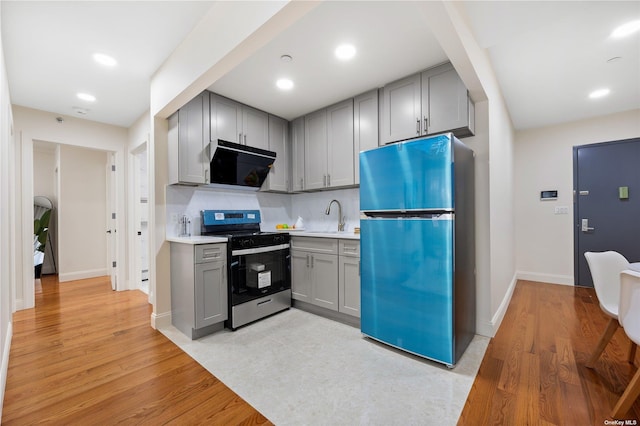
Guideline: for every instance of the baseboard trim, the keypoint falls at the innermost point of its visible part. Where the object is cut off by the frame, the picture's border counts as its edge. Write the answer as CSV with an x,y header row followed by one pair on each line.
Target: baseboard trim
x,y
4,367
489,328
81,275
160,320
545,278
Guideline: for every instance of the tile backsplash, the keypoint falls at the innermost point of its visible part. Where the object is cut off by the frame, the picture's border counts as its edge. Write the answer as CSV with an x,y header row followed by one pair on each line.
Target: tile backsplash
x,y
274,208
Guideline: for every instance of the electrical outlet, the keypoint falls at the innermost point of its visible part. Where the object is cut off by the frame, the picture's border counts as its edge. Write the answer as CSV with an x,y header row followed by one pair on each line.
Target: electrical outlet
x,y
174,217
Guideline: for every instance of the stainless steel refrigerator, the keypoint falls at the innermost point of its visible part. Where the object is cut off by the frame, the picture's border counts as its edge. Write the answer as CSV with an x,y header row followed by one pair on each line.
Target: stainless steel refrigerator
x,y
418,246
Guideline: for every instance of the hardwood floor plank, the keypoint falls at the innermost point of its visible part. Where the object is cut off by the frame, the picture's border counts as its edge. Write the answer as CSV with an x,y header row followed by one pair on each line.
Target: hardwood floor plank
x,y
87,355
534,373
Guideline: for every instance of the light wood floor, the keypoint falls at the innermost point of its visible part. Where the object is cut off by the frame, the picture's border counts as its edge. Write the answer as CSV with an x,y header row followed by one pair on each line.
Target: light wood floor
x,y
534,373
86,355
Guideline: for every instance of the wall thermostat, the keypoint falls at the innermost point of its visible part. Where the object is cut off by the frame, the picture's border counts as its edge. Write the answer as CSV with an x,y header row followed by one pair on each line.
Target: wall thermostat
x,y
548,195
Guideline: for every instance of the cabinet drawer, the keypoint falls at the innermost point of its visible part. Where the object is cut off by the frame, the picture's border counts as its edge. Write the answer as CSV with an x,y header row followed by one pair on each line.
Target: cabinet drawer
x,y
349,248
315,245
210,252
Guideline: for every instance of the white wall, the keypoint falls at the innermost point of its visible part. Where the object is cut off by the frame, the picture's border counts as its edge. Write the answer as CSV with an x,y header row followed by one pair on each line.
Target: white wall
x,y
82,213
543,161
7,223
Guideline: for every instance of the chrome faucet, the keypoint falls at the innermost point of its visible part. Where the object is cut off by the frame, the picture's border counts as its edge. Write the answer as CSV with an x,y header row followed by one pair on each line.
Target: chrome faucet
x,y
340,217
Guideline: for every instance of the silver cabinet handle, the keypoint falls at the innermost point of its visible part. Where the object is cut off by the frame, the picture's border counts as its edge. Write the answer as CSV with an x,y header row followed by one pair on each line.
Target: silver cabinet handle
x,y
307,261
328,180
239,137
426,124
312,261
418,126
245,138
324,180
301,183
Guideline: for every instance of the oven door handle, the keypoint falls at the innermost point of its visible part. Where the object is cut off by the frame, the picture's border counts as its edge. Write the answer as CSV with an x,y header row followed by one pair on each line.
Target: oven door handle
x,y
259,250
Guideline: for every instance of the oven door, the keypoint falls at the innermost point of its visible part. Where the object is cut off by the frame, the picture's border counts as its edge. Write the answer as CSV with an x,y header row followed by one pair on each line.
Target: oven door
x,y
258,272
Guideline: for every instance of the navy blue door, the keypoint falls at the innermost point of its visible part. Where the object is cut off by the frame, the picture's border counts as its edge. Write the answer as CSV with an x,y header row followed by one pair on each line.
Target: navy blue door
x,y
607,202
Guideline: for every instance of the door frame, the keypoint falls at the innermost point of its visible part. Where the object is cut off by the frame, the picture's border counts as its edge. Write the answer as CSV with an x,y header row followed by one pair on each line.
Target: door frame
x,y
576,197
27,292
135,265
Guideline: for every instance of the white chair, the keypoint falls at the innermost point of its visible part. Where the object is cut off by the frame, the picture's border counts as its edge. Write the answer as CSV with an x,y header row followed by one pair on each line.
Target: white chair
x,y
605,270
629,317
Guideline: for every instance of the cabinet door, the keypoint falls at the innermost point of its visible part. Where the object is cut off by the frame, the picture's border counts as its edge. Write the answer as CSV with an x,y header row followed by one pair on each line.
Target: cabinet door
x,y
401,109
278,177
340,144
226,119
193,143
445,100
365,127
297,156
255,128
324,278
315,150
349,286
210,293
300,275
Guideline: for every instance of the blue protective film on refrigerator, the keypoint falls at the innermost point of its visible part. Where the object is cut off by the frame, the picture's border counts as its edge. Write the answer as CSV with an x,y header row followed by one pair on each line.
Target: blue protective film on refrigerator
x,y
407,284
412,175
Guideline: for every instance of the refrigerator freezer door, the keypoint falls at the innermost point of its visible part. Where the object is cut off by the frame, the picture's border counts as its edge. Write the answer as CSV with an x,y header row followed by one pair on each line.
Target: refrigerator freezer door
x,y
406,284
413,175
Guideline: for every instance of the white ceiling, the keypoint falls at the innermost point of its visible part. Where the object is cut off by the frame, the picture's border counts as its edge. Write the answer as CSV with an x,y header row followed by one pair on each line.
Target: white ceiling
x,y
547,55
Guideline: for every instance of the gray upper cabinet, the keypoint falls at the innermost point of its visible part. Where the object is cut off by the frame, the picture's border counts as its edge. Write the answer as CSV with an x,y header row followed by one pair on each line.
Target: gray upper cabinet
x,y
315,150
430,102
188,142
445,102
297,154
340,144
234,122
365,127
401,109
278,178
328,147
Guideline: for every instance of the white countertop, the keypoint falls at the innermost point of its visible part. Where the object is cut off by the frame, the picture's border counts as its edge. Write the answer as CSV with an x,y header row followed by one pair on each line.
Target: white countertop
x,y
197,239
321,234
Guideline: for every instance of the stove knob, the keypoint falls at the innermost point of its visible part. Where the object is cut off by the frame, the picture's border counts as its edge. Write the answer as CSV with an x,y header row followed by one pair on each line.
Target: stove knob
x,y
244,243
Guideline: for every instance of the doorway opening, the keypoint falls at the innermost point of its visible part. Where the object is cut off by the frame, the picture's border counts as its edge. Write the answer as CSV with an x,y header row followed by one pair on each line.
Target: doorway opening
x,y
74,179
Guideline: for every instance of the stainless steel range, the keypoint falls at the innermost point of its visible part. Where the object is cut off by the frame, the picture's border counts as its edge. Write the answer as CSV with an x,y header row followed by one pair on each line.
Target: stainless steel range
x,y
259,265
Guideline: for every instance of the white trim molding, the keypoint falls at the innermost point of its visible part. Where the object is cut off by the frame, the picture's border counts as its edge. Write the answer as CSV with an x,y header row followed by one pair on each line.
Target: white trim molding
x,y
4,366
160,320
81,275
545,278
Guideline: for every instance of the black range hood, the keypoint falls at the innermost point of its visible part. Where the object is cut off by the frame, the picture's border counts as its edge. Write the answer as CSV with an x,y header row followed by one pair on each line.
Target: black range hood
x,y
240,165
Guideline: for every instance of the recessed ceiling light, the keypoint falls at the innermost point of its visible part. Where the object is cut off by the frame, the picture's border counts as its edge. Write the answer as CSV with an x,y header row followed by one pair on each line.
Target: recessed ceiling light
x,y
105,60
86,97
344,52
284,84
626,29
599,93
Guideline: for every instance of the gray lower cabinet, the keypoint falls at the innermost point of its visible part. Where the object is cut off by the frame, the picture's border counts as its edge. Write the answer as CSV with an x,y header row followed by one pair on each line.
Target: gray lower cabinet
x,y
198,288
314,271
349,277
